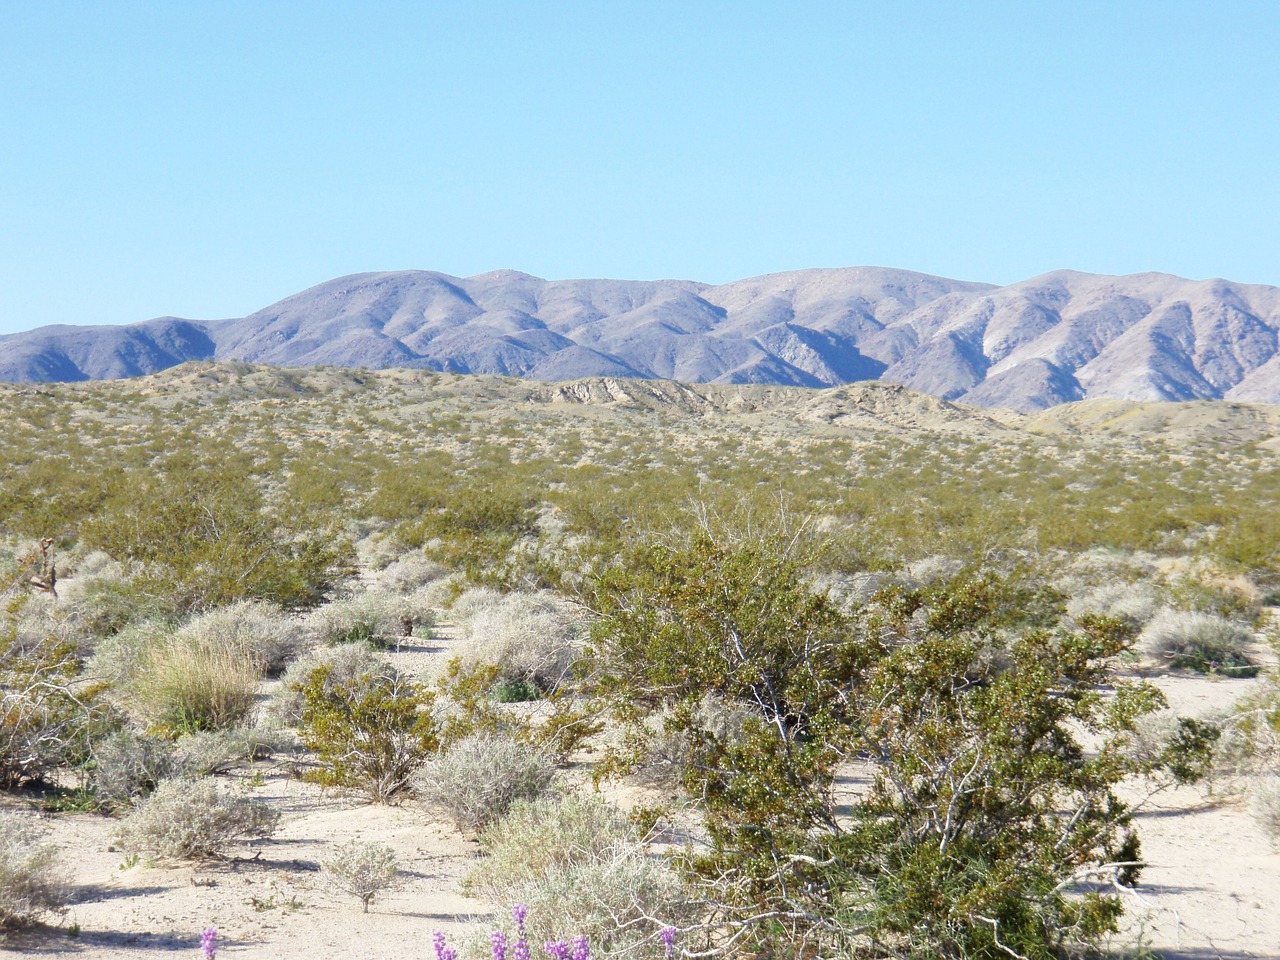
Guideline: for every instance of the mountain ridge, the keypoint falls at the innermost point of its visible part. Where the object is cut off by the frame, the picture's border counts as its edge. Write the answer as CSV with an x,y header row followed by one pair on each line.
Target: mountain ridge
x,y
1036,343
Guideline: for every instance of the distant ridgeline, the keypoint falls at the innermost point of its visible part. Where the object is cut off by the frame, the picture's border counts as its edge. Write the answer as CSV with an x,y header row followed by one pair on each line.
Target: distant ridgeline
x,y
1060,337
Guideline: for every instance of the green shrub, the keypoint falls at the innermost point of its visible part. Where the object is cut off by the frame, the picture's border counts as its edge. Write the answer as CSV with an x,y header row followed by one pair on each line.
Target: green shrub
x,y
478,778
32,881
371,733
984,815
188,819
199,539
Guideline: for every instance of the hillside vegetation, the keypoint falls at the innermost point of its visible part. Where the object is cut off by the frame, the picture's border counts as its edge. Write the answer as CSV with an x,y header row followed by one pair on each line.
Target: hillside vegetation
x,y
878,665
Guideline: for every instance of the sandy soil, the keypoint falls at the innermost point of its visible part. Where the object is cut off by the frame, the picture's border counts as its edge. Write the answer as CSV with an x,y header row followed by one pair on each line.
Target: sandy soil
x,y
1212,888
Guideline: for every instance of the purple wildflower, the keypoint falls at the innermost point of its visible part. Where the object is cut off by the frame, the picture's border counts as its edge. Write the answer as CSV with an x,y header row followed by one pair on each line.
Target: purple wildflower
x,y
209,942
438,940
519,912
557,949
521,950
668,935
581,949
499,940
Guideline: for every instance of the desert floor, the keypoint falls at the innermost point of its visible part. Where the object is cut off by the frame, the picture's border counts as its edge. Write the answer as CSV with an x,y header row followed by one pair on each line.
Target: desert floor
x,y
1212,889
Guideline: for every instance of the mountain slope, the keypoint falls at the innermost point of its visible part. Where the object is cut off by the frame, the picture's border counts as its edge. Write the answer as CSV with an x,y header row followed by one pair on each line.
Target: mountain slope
x,y
1030,345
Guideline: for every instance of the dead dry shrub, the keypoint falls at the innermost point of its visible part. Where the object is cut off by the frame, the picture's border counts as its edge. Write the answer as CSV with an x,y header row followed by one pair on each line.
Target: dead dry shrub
x,y
1132,602
530,637
189,819
128,766
32,881
477,780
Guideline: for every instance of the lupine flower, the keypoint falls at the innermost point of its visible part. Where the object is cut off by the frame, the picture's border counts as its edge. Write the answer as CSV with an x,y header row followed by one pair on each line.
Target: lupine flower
x,y
581,949
209,942
668,935
499,940
438,941
521,950
519,912
557,949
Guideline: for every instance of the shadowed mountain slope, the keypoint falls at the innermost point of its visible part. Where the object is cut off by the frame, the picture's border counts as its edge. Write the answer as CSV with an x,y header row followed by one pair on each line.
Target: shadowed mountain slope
x,y
1031,345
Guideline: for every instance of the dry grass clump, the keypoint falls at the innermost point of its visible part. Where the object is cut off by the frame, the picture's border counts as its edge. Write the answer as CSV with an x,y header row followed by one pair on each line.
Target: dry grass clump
x,y
184,686
580,865
1182,639
32,882
477,780
530,637
188,819
204,675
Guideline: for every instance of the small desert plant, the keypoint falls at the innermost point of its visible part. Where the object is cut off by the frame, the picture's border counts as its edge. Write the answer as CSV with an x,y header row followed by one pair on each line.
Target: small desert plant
x,y
31,881
194,819
1199,641
371,733
478,778
363,870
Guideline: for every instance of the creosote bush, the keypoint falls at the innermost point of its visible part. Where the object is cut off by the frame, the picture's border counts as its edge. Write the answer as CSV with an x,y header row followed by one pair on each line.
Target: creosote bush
x,y
983,814
32,881
478,778
371,732
194,819
362,870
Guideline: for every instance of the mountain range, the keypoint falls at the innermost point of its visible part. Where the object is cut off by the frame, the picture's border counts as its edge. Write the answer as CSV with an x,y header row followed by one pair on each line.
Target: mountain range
x,y
1030,345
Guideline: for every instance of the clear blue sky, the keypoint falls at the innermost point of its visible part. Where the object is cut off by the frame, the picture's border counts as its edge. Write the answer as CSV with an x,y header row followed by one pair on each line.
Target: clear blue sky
x,y
205,159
